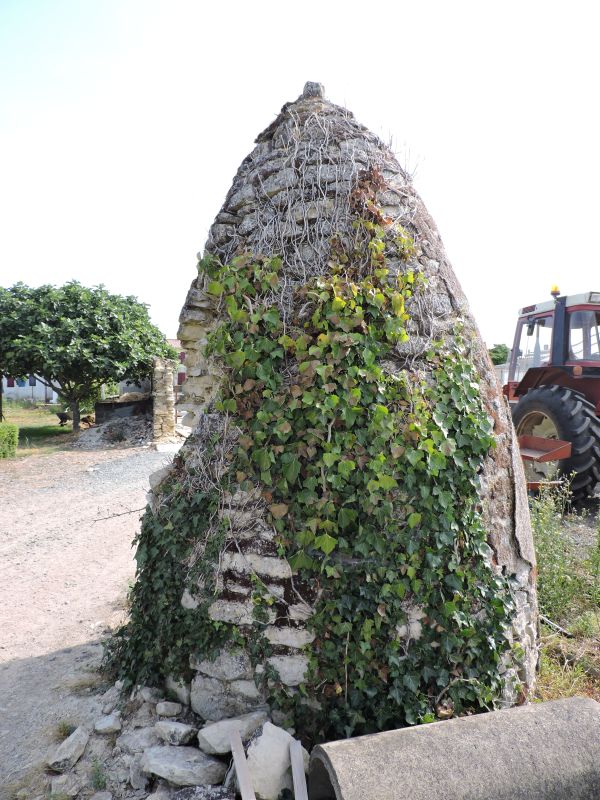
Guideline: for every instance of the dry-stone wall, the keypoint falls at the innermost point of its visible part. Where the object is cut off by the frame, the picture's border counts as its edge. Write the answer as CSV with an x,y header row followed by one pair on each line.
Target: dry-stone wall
x,y
291,197
163,399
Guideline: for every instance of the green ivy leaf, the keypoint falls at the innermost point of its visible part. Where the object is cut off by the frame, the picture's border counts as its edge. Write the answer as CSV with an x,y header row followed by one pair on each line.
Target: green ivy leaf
x,y
215,288
291,471
346,516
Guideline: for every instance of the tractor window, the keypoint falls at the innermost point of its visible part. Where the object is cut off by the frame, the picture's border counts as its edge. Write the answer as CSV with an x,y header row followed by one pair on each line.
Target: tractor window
x,y
584,336
535,345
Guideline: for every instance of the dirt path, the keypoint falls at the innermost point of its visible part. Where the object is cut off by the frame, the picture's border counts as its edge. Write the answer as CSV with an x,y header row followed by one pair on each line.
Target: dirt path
x,y
64,574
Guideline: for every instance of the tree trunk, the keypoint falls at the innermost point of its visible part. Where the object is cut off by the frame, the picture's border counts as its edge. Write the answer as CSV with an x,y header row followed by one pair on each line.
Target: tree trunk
x,y
1,396
74,406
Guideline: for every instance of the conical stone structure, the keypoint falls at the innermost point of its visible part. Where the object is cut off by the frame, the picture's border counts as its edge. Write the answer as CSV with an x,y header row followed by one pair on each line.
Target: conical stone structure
x,y
237,582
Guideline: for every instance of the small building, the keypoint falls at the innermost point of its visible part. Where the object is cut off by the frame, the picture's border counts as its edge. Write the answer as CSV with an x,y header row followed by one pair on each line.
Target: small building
x,y
30,388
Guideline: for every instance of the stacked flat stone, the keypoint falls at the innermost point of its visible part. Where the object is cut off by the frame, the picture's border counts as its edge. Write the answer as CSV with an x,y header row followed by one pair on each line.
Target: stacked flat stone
x,y
163,399
288,198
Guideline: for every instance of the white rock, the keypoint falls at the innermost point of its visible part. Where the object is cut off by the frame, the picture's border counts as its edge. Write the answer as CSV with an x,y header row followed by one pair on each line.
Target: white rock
x,y
189,601
235,612
174,732
183,766
229,665
137,777
137,740
69,785
145,716
101,796
156,478
269,762
162,793
291,669
109,700
289,637
168,709
68,753
249,563
246,689
300,611
215,700
214,738
204,793
108,724
149,694
180,689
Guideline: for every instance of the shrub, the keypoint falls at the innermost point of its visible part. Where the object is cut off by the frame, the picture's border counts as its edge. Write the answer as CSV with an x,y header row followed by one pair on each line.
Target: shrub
x,y
563,587
98,776
9,435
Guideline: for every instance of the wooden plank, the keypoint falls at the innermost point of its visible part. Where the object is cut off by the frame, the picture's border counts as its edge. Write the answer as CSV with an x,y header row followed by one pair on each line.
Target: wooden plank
x,y
241,766
297,759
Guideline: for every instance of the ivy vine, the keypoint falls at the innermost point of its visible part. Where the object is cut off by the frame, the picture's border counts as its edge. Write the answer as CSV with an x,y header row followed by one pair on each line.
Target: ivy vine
x,y
370,477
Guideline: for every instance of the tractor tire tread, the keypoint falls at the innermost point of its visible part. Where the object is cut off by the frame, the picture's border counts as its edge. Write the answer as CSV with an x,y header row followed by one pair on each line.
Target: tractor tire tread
x,y
575,420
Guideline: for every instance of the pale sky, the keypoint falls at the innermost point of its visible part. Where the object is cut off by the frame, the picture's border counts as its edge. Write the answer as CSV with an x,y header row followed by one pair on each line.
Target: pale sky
x,y
122,123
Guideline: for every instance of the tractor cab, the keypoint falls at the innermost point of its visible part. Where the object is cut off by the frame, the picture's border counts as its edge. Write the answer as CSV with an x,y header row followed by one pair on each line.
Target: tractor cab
x,y
554,390
557,342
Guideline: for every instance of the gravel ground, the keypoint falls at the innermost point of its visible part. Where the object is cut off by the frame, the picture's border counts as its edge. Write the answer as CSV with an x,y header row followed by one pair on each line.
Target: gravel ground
x,y
65,565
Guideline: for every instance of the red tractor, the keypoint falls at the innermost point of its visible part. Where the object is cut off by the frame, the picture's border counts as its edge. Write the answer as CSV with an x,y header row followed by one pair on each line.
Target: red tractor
x,y
554,388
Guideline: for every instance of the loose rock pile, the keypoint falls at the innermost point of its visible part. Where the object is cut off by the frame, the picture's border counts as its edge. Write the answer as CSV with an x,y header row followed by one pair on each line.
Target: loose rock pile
x,y
147,746
120,432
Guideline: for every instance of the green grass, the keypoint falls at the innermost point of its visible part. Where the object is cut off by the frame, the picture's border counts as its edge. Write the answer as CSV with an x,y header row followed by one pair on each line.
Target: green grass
x,y
39,429
97,776
63,729
568,595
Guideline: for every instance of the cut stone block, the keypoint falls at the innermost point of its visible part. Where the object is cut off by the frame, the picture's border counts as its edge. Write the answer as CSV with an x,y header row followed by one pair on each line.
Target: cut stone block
x,y
175,733
68,753
183,766
214,738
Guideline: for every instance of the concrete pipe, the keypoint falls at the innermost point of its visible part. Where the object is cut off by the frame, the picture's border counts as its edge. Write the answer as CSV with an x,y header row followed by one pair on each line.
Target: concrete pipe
x,y
547,751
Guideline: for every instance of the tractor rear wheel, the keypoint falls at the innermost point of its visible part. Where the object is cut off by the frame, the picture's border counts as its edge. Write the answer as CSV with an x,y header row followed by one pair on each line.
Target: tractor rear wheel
x,y
556,412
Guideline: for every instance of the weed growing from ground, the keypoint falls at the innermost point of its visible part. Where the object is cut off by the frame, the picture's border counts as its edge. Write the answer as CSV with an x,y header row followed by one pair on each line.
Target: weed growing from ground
x,y
569,595
64,729
98,776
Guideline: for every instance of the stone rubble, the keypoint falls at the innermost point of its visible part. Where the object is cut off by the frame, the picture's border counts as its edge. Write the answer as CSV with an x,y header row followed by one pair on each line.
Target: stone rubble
x,y
182,766
204,793
135,431
175,733
138,740
214,738
178,754
166,708
69,751
68,784
108,724
269,762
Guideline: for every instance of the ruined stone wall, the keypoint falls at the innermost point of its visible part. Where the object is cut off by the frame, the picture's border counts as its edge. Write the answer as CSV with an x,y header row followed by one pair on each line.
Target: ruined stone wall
x,y
163,399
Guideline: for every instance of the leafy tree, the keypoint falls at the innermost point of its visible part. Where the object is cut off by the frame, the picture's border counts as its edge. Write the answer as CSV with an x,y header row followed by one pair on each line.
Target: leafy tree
x,y
499,354
10,328
76,338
